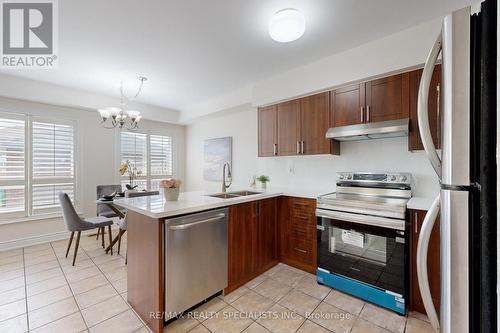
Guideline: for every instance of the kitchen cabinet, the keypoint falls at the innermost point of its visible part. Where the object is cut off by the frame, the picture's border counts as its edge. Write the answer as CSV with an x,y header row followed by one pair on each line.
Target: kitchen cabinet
x,y
252,241
315,121
297,232
268,134
433,264
387,98
289,128
348,105
414,141
373,101
296,127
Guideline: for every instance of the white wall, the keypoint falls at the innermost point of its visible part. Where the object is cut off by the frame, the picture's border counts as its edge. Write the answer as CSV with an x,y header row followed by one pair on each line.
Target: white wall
x,y
241,125
299,173
96,151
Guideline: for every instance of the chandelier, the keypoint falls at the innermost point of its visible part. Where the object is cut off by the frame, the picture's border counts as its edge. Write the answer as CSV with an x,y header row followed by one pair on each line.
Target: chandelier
x,y
113,116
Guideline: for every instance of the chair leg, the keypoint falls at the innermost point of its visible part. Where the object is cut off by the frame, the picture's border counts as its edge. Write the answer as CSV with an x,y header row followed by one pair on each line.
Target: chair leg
x,y
119,239
76,246
102,237
98,231
110,239
69,243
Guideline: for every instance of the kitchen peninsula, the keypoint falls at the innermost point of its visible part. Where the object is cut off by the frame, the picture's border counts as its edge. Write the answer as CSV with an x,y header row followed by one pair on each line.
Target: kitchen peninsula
x,y
146,248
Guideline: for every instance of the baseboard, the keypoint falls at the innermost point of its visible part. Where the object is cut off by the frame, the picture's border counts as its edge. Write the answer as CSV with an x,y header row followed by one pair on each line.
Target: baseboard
x,y
40,239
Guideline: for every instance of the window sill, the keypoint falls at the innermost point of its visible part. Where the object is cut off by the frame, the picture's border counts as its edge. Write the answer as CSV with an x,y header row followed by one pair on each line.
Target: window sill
x,y
32,218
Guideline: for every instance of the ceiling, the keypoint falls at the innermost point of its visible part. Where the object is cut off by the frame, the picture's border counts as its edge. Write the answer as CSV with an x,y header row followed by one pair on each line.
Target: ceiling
x,y
195,50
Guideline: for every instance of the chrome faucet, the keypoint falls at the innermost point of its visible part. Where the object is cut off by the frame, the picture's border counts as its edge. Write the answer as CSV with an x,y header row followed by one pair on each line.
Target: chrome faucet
x,y
224,186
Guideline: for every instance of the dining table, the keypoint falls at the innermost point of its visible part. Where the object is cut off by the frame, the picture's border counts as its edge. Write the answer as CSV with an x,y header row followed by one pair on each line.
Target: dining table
x,y
119,213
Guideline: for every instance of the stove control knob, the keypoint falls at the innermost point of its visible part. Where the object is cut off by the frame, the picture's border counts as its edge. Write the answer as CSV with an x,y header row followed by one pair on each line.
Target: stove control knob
x,y
403,178
393,178
349,177
341,177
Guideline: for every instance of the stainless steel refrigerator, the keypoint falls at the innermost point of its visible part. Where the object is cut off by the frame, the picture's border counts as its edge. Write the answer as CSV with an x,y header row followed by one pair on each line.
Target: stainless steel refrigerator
x,y
466,166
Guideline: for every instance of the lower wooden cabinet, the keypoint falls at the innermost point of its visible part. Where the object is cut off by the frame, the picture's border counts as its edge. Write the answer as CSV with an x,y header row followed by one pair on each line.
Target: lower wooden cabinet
x,y
297,232
252,241
433,262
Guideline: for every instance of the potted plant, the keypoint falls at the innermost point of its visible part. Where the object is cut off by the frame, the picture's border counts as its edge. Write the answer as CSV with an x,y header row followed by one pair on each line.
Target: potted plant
x,y
263,180
170,188
133,173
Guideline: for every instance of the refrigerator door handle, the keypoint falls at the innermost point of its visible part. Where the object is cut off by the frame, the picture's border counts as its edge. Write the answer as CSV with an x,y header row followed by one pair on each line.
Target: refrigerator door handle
x,y
422,247
422,107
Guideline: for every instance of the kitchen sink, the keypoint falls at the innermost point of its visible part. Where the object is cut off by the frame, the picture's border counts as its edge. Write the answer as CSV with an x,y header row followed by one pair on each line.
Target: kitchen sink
x,y
244,193
230,195
223,195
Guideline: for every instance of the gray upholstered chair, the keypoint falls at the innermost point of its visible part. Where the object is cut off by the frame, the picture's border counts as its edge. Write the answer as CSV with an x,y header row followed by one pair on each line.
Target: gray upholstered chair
x,y
103,209
76,224
122,224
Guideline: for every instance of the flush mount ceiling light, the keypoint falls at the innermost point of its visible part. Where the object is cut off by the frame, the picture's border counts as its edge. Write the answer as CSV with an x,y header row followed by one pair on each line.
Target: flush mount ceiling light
x,y
119,116
287,25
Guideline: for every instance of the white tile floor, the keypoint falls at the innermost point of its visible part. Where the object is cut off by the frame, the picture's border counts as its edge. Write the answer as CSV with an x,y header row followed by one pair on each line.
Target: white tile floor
x,y
41,292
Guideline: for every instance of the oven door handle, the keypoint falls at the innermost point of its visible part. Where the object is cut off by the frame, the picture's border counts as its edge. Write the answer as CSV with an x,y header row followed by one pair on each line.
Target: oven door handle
x,y
422,248
376,221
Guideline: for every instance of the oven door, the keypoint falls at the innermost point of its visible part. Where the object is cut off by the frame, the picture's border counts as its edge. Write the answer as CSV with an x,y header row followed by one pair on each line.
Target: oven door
x,y
370,254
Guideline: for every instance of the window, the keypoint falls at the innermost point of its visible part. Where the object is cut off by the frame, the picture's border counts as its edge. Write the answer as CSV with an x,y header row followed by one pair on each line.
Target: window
x,y
152,155
12,166
53,165
37,161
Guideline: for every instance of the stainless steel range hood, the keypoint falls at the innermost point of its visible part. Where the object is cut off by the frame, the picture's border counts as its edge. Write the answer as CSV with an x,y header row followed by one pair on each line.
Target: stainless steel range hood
x,y
382,129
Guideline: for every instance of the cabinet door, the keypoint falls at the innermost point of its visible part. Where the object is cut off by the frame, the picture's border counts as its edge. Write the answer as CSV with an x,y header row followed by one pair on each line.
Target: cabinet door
x,y
267,233
387,98
267,118
242,242
433,264
289,128
347,105
414,141
315,121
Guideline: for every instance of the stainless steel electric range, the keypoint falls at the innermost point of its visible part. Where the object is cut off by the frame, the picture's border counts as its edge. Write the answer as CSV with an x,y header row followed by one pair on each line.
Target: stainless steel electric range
x,y
363,239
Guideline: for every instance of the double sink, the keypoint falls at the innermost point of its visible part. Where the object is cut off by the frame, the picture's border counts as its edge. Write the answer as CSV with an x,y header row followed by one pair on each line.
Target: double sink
x,y
231,195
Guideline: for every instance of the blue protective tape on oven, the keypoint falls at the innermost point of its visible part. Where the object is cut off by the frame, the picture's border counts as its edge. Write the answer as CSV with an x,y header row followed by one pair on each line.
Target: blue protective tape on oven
x,y
362,290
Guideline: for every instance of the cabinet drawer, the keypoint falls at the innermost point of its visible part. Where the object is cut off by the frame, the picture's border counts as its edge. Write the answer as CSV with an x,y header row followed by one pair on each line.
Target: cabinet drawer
x,y
301,250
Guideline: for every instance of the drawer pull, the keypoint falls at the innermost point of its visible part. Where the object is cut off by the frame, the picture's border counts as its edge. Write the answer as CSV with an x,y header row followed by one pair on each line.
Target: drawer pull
x,y
300,250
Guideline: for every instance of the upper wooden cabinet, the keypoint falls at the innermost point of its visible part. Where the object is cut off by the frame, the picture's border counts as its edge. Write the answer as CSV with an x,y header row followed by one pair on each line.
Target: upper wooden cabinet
x,y
296,127
378,100
414,141
387,98
268,134
289,128
315,121
347,105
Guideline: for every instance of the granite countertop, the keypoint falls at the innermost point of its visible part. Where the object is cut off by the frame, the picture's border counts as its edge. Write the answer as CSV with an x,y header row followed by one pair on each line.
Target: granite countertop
x,y
196,201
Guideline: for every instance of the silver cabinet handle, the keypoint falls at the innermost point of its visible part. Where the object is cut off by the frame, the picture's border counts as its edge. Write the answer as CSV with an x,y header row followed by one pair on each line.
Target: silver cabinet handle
x,y
275,149
362,114
367,113
422,248
298,147
302,147
422,107
438,93
416,222
300,250
192,224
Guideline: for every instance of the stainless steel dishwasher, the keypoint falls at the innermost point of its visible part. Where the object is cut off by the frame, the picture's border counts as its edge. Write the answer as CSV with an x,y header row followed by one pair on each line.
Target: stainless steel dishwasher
x,y
195,258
